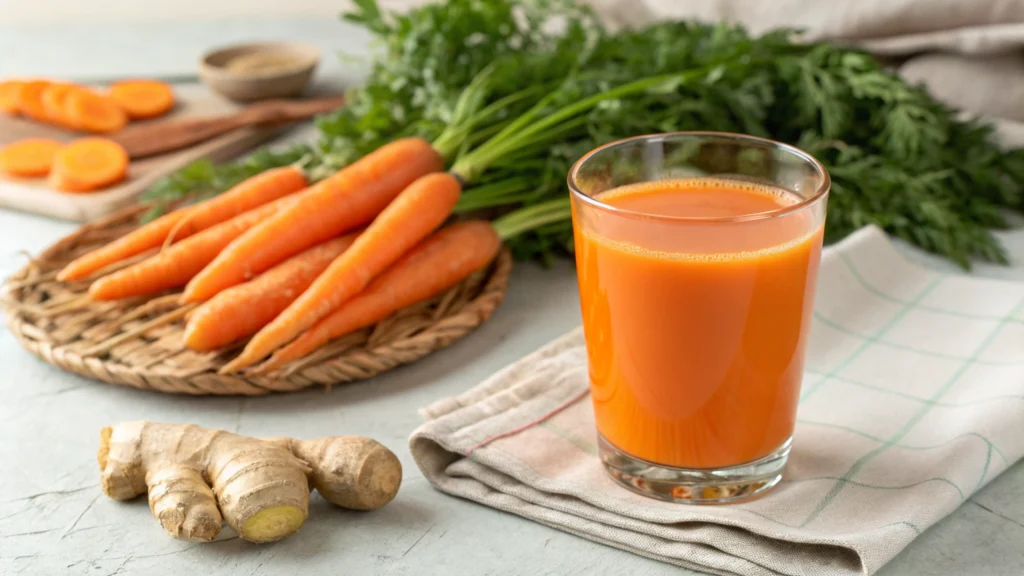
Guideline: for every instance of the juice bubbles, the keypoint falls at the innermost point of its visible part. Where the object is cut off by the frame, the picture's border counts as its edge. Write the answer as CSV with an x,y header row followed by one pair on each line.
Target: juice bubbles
x,y
696,304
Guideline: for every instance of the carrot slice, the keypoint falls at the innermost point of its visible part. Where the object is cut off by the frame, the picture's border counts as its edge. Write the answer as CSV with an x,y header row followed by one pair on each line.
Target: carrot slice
x,y
63,183
143,98
441,261
54,99
176,265
417,211
241,311
89,164
255,191
29,157
347,199
10,91
92,112
30,100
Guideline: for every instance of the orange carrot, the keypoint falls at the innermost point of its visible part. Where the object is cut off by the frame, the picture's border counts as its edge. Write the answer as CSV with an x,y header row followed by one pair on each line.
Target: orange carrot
x,y
441,261
241,310
30,101
28,157
54,99
348,199
92,112
255,191
417,212
89,164
143,98
176,265
10,92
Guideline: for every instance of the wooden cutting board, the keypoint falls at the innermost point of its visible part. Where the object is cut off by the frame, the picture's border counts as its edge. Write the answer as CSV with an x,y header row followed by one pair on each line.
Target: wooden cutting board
x,y
33,195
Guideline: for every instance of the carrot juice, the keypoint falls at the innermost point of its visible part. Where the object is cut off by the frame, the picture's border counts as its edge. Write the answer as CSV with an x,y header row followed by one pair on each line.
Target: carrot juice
x,y
695,332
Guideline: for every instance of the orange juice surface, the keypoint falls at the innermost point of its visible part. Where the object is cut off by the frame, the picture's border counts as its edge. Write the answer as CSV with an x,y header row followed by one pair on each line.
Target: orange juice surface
x,y
695,329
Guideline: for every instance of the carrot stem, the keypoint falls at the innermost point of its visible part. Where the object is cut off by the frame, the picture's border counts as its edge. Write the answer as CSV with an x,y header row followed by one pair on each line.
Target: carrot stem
x,y
494,194
461,129
537,125
533,217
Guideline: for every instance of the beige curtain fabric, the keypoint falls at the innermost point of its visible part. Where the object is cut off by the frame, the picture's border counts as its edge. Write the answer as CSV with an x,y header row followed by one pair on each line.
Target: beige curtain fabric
x,y
888,26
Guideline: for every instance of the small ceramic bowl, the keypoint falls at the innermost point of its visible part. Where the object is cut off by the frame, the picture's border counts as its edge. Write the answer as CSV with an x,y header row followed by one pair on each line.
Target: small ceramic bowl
x,y
249,72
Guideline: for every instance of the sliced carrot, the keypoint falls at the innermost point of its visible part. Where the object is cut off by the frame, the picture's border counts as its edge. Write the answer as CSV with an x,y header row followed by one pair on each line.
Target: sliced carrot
x,y
143,98
441,261
54,99
240,311
255,191
349,198
30,100
29,157
417,212
89,164
178,263
61,183
93,112
10,92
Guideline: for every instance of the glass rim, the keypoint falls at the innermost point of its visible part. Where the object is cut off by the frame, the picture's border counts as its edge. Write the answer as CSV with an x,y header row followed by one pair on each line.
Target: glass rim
x,y
819,194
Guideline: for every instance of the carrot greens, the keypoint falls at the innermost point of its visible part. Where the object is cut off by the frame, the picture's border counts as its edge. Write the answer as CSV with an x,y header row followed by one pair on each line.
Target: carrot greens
x,y
512,92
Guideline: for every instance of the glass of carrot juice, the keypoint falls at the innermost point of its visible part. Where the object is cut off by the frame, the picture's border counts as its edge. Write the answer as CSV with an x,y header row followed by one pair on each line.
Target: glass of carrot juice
x,y
697,255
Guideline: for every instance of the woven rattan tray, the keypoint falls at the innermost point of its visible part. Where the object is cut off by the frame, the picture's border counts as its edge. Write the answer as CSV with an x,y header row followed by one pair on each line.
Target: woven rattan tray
x,y
137,342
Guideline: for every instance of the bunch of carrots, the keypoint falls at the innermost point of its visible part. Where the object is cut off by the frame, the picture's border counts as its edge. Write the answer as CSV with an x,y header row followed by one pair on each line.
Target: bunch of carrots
x,y
85,164
292,264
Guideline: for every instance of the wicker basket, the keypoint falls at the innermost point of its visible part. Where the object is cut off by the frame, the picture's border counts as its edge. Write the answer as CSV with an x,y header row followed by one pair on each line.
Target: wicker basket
x,y
137,342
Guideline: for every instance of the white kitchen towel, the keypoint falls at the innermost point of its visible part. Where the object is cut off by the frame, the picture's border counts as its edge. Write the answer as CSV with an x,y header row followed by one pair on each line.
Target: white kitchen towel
x,y
913,399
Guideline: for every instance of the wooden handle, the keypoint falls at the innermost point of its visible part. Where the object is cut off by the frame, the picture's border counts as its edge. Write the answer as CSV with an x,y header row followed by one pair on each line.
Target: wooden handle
x,y
276,111
159,137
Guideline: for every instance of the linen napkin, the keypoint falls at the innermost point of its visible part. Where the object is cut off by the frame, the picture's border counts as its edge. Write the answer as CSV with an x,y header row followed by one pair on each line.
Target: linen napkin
x,y
913,399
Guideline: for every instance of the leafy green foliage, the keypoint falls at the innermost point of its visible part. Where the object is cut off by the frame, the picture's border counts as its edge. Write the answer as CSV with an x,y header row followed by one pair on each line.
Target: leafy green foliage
x,y
513,92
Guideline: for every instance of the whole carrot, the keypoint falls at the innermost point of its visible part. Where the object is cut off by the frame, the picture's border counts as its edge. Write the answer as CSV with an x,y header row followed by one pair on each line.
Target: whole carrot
x,y
417,212
350,198
176,265
241,310
255,191
435,265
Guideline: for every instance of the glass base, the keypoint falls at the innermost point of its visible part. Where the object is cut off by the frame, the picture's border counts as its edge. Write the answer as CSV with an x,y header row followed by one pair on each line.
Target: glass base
x,y
694,485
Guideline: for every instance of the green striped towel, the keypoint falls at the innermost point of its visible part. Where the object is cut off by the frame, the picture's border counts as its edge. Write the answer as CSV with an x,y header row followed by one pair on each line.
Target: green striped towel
x,y
913,399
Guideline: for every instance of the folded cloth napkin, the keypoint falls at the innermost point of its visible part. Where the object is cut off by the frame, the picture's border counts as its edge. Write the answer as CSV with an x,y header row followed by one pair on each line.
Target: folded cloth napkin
x,y
913,399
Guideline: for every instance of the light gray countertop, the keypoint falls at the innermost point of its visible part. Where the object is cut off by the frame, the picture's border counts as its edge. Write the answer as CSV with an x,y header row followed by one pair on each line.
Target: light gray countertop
x,y
55,520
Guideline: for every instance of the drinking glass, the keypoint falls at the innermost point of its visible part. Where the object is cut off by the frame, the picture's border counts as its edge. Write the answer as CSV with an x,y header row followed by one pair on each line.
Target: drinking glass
x,y
696,323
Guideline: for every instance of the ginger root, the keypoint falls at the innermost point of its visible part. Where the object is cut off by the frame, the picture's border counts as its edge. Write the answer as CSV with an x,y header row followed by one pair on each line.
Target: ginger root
x,y
196,477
